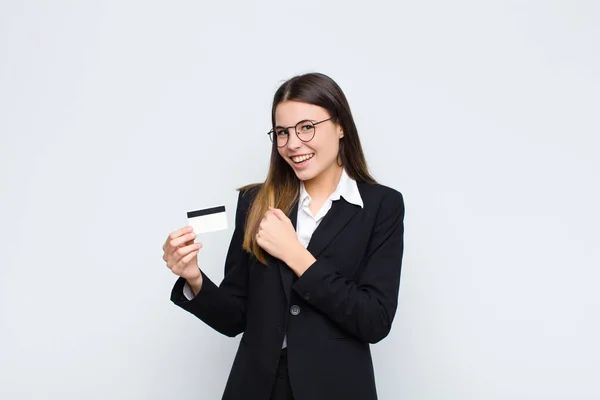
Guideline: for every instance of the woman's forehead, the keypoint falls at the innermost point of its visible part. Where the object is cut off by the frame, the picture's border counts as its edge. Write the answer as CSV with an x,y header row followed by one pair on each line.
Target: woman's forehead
x,y
290,113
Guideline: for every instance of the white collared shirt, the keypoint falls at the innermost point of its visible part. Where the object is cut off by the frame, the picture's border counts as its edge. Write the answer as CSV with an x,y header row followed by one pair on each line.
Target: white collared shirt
x,y
306,223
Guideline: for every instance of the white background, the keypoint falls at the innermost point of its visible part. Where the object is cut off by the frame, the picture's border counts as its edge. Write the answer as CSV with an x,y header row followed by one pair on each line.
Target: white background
x,y
117,117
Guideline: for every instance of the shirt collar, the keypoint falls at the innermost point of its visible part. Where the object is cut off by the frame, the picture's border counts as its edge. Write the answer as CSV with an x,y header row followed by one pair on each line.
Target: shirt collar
x,y
346,188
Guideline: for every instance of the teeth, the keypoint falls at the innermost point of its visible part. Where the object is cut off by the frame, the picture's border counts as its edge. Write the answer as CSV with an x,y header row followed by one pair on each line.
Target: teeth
x,y
299,159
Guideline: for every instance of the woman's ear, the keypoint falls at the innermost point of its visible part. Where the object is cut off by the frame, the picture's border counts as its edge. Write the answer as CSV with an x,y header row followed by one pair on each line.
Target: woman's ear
x,y
341,132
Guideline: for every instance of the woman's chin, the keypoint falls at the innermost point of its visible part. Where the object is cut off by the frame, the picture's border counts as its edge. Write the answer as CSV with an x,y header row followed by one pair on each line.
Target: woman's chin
x,y
304,175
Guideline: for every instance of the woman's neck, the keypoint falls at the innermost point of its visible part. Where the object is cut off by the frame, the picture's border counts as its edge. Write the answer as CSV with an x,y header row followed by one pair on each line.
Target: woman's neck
x,y
323,185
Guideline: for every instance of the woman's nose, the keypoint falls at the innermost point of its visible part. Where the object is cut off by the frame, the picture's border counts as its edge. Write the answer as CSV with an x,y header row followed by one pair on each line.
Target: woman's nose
x,y
293,141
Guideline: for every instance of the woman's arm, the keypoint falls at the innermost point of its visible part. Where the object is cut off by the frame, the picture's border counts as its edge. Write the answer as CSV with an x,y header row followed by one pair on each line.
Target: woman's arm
x,y
365,307
223,307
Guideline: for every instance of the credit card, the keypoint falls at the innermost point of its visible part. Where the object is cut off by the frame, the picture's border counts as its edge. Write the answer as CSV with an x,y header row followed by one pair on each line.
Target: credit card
x,y
208,219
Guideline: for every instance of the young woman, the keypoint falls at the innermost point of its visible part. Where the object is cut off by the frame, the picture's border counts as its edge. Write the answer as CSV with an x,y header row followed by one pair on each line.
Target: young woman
x,y
313,269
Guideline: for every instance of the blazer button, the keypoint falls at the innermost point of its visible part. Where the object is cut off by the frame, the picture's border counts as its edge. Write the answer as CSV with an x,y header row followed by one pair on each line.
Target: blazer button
x,y
295,310
306,296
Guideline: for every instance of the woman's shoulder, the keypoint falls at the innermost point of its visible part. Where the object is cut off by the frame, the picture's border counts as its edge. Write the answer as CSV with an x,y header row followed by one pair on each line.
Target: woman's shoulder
x,y
249,190
377,192
385,201
247,194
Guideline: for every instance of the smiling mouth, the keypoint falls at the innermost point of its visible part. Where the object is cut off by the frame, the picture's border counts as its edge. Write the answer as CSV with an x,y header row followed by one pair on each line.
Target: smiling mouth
x,y
300,159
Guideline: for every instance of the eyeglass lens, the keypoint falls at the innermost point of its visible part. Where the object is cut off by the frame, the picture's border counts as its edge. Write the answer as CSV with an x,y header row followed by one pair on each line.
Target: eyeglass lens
x,y
304,129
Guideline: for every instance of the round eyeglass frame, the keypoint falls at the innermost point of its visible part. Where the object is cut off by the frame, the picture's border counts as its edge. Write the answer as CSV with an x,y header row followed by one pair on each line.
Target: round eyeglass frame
x,y
271,133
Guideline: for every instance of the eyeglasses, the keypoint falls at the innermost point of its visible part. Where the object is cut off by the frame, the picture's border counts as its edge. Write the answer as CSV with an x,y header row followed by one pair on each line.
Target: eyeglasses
x,y
305,130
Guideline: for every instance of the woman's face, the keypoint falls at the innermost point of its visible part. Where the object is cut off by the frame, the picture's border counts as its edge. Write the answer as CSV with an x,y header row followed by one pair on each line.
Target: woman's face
x,y
313,158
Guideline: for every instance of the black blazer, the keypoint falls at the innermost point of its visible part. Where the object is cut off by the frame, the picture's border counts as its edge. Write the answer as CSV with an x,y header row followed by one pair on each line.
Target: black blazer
x,y
344,301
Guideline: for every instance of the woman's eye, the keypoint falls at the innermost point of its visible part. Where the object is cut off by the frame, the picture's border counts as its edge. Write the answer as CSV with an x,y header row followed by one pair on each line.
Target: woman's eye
x,y
306,127
282,132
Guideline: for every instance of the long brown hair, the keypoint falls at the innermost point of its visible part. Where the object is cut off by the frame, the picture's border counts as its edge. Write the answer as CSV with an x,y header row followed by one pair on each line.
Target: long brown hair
x,y
281,187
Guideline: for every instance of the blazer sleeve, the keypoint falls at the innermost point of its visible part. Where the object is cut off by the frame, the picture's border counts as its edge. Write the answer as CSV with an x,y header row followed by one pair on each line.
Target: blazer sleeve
x,y
366,307
223,307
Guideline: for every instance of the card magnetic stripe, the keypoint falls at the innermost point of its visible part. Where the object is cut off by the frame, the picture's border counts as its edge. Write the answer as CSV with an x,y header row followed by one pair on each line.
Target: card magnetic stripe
x,y
206,211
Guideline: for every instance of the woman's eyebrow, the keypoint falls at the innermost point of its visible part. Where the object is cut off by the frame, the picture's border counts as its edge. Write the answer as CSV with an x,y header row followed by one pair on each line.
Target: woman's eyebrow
x,y
285,127
302,120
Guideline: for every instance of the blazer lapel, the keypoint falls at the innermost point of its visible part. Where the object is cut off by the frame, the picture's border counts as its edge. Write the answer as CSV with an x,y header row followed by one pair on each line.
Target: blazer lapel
x,y
287,275
340,214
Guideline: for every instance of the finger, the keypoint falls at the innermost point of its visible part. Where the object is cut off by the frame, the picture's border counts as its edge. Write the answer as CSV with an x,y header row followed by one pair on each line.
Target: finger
x,y
187,243
259,240
178,268
263,224
181,264
176,234
279,214
181,252
180,241
170,250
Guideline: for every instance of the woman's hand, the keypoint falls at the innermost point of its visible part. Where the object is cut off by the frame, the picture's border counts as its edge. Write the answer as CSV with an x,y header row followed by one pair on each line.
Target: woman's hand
x,y
276,235
181,256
